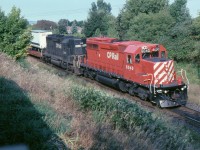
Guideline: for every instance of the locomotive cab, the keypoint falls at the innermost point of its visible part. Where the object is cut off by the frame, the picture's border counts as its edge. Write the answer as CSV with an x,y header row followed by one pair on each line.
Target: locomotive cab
x,y
157,72
67,52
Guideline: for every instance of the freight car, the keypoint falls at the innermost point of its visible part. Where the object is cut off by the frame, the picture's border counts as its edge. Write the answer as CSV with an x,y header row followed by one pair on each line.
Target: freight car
x,y
38,43
138,68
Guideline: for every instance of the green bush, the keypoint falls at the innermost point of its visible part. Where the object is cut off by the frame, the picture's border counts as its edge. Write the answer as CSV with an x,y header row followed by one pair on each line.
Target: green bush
x,y
129,117
15,35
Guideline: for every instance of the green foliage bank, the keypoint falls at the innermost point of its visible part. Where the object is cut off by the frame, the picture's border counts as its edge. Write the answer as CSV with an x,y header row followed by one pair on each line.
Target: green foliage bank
x,y
150,21
131,118
14,34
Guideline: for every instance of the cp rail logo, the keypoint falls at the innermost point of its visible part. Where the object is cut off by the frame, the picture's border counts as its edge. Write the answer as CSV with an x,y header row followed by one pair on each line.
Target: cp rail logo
x,y
114,56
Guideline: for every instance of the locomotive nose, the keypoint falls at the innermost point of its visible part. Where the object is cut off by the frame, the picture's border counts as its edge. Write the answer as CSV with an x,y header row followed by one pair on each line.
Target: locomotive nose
x,y
163,72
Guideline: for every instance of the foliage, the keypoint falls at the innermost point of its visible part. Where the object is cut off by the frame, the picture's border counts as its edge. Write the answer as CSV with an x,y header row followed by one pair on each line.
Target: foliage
x,y
25,122
100,20
2,27
196,28
161,22
45,25
15,36
74,28
191,70
62,25
133,8
150,27
130,117
179,11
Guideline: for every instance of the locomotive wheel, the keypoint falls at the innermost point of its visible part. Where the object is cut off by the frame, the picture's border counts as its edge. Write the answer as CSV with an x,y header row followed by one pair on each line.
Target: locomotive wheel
x,y
91,75
122,86
64,65
85,74
131,91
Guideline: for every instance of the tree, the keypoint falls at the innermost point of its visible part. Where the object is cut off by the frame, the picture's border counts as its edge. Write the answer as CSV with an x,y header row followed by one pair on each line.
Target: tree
x,y
196,28
45,25
133,8
62,26
74,28
80,23
179,11
98,18
180,42
16,36
196,37
150,27
112,27
2,27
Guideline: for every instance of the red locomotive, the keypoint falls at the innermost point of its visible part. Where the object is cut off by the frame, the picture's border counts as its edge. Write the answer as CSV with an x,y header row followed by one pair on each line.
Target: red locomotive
x,y
141,69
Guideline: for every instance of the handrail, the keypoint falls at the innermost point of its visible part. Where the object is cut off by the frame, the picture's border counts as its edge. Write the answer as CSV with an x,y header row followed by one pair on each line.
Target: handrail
x,y
151,81
182,70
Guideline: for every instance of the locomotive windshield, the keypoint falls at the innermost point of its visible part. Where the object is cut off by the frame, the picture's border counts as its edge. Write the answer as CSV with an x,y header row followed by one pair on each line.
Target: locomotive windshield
x,y
150,54
80,46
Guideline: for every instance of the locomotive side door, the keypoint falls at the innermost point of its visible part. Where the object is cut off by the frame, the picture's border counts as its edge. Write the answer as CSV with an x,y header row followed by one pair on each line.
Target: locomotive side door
x,y
129,66
138,65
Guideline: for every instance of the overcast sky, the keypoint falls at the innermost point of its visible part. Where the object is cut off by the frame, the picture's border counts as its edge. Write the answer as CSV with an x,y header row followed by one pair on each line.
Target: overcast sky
x,y
54,10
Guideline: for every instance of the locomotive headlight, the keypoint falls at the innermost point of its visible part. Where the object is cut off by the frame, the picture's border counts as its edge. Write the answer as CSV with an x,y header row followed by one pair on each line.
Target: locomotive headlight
x,y
165,91
183,88
159,91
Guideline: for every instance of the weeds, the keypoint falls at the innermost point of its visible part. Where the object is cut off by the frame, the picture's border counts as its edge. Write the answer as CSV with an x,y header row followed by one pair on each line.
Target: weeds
x,y
192,71
24,122
24,63
119,123
131,118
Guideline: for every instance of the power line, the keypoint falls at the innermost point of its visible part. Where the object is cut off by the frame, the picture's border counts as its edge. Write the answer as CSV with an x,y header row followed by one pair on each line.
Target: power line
x,y
73,11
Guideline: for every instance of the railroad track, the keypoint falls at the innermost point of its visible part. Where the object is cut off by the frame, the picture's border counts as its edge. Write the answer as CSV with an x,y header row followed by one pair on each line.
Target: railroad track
x,y
190,116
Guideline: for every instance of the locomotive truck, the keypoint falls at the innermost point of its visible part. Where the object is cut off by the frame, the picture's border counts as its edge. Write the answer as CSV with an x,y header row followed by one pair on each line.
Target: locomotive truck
x,y
141,69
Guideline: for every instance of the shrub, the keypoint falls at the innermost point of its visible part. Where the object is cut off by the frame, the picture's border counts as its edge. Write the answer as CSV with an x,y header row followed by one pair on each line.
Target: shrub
x,y
131,118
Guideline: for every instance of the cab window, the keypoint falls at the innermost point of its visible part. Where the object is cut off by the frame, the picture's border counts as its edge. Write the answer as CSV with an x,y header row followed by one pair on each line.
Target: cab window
x,y
137,58
163,54
146,55
129,59
155,54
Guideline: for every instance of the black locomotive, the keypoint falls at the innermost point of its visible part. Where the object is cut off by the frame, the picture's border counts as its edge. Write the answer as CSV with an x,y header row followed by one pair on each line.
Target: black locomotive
x,y
65,51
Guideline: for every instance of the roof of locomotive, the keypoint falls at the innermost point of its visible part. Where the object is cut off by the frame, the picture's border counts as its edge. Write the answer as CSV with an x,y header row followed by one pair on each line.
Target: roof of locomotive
x,y
102,39
63,38
126,46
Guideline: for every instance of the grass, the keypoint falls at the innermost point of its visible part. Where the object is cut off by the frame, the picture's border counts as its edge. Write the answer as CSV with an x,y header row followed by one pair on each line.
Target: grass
x,y
24,63
193,75
131,118
93,120
22,121
48,93
192,71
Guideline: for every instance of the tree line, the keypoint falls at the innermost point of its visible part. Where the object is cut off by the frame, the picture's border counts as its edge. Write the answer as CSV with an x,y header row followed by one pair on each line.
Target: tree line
x,y
145,20
14,33
60,27
149,21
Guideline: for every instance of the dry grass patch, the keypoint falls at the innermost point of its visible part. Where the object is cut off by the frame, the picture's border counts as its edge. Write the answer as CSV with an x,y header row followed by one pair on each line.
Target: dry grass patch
x,y
44,86
194,93
88,129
